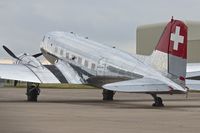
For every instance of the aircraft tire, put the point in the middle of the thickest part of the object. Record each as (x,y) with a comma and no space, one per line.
(32,94)
(108,95)
(158,102)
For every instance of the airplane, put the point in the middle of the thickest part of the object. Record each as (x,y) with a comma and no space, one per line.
(78,60)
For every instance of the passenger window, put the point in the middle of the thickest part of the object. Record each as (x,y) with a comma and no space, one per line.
(93,66)
(79,60)
(61,52)
(67,55)
(86,63)
(56,50)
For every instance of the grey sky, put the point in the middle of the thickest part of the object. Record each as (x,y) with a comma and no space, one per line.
(112,22)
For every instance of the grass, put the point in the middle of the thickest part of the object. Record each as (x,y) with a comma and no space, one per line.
(53,86)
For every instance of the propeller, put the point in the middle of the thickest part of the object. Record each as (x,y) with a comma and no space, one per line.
(10,52)
(14,56)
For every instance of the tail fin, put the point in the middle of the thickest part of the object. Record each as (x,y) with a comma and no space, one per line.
(170,54)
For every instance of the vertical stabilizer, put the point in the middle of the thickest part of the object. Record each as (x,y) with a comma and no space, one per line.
(170,54)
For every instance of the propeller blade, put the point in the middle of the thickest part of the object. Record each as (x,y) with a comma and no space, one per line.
(37,55)
(10,52)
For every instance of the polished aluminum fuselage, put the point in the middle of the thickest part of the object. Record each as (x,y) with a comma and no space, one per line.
(94,58)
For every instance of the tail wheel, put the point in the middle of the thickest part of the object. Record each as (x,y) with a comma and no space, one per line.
(108,95)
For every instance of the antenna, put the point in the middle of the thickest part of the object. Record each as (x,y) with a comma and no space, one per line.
(172,19)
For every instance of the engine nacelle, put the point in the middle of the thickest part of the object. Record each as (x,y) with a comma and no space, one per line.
(27,59)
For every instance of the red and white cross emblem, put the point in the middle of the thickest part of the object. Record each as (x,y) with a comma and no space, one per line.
(176,38)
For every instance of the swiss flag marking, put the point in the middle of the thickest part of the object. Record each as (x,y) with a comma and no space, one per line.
(176,38)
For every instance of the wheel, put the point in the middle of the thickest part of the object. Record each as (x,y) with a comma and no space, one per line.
(158,102)
(108,95)
(32,92)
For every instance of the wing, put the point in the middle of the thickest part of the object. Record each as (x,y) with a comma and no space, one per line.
(193,70)
(138,86)
(61,72)
(26,73)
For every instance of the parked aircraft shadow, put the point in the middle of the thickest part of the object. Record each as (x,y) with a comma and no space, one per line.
(117,104)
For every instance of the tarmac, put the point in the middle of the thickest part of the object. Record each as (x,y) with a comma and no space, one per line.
(83,111)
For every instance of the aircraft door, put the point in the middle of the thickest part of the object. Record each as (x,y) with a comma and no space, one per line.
(101,67)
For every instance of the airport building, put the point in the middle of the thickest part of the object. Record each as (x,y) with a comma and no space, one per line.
(148,36)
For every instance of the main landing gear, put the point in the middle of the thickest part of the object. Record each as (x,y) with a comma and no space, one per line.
(32,92)
(158,101)
(108,95)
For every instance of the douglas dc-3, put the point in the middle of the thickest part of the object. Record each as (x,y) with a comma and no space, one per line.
(78,60)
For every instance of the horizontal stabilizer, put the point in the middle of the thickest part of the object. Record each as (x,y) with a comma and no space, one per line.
(193,85)
(138,86)
(193,70)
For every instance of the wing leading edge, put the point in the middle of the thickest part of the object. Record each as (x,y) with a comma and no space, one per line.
(138,86)
(26,73)
(61,72)
(144,85)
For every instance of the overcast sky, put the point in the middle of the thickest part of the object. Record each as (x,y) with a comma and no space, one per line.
(113,22)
